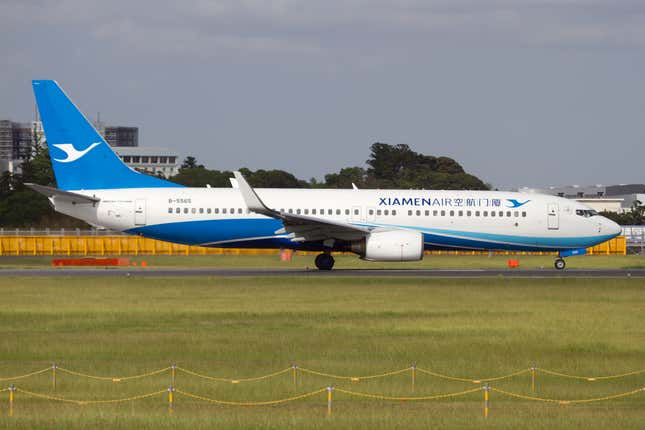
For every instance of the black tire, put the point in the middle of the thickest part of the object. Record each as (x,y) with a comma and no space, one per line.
(324,261)
(560,264)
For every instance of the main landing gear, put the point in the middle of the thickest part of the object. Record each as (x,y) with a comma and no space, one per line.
(324,261)
(559,263)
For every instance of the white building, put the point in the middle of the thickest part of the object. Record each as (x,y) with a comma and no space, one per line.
(155,161)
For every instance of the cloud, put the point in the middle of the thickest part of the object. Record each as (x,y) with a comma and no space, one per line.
(331,28)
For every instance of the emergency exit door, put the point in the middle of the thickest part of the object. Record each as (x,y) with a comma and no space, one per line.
(553,216)
(140,212)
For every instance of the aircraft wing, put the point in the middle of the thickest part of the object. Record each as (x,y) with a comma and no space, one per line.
(301,228)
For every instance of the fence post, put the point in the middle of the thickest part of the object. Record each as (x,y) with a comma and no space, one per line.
(533,369)
(330,390)
(294,368)
(414,374)
(12,390)
(54,367)
(171,400)
(486,394)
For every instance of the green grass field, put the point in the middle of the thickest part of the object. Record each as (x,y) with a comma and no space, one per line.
(353,262)
(245,327)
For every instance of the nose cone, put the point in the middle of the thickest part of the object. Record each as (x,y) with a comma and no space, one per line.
(612,228)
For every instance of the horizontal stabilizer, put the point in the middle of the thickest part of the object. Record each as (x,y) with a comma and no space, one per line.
(62,195)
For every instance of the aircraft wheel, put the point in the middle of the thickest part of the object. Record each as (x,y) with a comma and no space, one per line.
(559,264)
(324,261)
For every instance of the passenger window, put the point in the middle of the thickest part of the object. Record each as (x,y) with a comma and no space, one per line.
(501,213)
(313,211)
(517,214)
(201,210)
(346,211)
(468,213)
(434,213)
(452,213)
(355,211)
(418,212)
(508,213)
(194,210)
(371,211)
(306,211)
(169,210)
(523,214)
(476,213)
(337,211)
(178,210)
(298,211)
(393,212)
(232,211)
(378,212)
(461,213)
(185,210)
(208,210)
(290,211)
(224,210)
(386,212)
(427,213)
(485,213)
(410,213)
(492,213)
(443,213)
(330,211)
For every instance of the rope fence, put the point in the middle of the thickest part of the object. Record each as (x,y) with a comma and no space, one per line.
(296,370)
(172,392)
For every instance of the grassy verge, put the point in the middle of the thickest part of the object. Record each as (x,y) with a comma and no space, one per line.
(350,261)
(246,327)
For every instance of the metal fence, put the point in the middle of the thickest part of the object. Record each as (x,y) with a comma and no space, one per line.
(634,238)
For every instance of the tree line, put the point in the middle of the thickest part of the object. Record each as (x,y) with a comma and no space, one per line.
(388,166)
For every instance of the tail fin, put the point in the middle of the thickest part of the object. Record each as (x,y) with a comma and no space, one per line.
(81,158)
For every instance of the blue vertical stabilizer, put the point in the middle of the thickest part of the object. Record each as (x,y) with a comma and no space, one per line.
(81,158)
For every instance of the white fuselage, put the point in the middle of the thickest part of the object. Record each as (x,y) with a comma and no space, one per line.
(448,219)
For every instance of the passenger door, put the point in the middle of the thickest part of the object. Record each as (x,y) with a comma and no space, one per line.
(553,216)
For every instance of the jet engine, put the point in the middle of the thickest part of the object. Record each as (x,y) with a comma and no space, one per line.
(390,245)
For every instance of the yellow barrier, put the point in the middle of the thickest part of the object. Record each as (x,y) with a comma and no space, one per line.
(136,245)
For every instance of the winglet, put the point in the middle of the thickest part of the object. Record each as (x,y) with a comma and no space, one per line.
(251,199)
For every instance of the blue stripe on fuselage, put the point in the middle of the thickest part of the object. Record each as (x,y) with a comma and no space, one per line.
(260,233)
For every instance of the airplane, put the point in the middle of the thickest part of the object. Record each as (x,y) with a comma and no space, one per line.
(94,185)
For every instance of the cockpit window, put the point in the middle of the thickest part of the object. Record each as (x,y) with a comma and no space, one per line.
(586,212)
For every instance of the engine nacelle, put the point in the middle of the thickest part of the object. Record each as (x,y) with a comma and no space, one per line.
(390,245)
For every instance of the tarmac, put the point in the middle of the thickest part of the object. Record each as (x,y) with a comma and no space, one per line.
(356,273)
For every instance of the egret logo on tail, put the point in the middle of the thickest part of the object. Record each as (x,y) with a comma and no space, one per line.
(512,203)
(72,153)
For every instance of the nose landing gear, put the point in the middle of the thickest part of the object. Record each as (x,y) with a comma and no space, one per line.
(559,263)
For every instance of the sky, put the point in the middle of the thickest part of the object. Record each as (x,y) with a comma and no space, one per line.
(520,92)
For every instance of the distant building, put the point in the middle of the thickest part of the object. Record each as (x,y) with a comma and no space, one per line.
(154,161)
(121,136)
(16,142)
(610,198)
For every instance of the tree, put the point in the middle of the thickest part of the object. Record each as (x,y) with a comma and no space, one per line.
(190,162)
(346,177)
(397,166)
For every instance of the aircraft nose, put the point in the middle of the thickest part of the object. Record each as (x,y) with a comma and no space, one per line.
(612,228)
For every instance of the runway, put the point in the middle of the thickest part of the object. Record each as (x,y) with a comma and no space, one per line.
(356,273)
